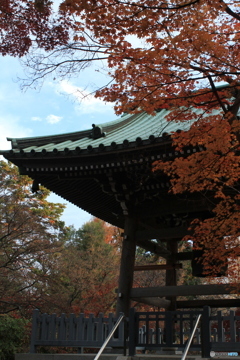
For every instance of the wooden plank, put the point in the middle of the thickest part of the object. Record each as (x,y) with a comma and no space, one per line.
(156,302)
(183,290)
(45,324)
(52,327)
(171,274)
(35,323)
(187,255)
(164,233)
(205,332)
(127,266)
(173,205)
(62,328)
(72,327)
(213,303)
(153,247)
(100,327)
(226,347)
(157,267)
(161,251)
(90,327)
(220,329)
(232,326)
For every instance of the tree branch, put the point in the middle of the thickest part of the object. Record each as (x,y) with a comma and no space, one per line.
(216,94)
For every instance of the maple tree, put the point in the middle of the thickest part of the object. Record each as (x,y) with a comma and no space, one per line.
(188,64)
(82,277)
(29,232)
(46,265)
(180,56)
(30,23)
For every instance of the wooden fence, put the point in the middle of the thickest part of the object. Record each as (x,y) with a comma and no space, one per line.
(225,332)
(164,329)
(155,330)
(145,330)
(73,331)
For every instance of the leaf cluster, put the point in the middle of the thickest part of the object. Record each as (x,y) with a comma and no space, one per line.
(29,231)
(12,333)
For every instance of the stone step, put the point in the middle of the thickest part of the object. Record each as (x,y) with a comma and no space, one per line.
(37,356)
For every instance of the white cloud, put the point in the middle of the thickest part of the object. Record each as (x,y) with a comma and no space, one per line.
(53,119)
(10,127)
(86,102)
(36,118)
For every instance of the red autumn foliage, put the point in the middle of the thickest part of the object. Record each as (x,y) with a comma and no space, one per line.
(178,55)
(26,23)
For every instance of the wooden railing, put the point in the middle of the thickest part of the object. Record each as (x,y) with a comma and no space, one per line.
(74,331)
(225,332)
(219,333)
(163,329)
(146,330)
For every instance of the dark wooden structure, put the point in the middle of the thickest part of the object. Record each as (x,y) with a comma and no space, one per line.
(107,171)
(74,331)
(147,331)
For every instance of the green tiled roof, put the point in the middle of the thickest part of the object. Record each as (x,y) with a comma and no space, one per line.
(126,128)
(102,175)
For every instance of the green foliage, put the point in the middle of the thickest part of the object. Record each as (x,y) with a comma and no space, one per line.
(30,229)
(83,275)
(12,334)
(91,234)
(45,264)
(185,276)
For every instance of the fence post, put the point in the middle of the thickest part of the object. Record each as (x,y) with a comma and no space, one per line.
(169,328)
(34,331)
(205,332)
(81,327)
(232,326)
(125,335)
(62,328)
(100,328)
(132,332)
(90,328)
(72,327)
(44,327)
(52,327)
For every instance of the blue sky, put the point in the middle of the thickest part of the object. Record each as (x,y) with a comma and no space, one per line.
(55,108)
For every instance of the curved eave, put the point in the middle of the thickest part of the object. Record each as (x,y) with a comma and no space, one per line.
(130,131)
(91,150)
(21,143)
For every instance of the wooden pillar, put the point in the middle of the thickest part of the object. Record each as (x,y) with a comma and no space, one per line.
(171,274)
(127,266)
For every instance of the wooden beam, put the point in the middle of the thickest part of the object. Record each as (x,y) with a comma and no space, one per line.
(182,290)
(157,267)
(156,302)
(214,303)
(164,233)
(187,255)
(174,205)
(154,248)
(171,274)
(126,266)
